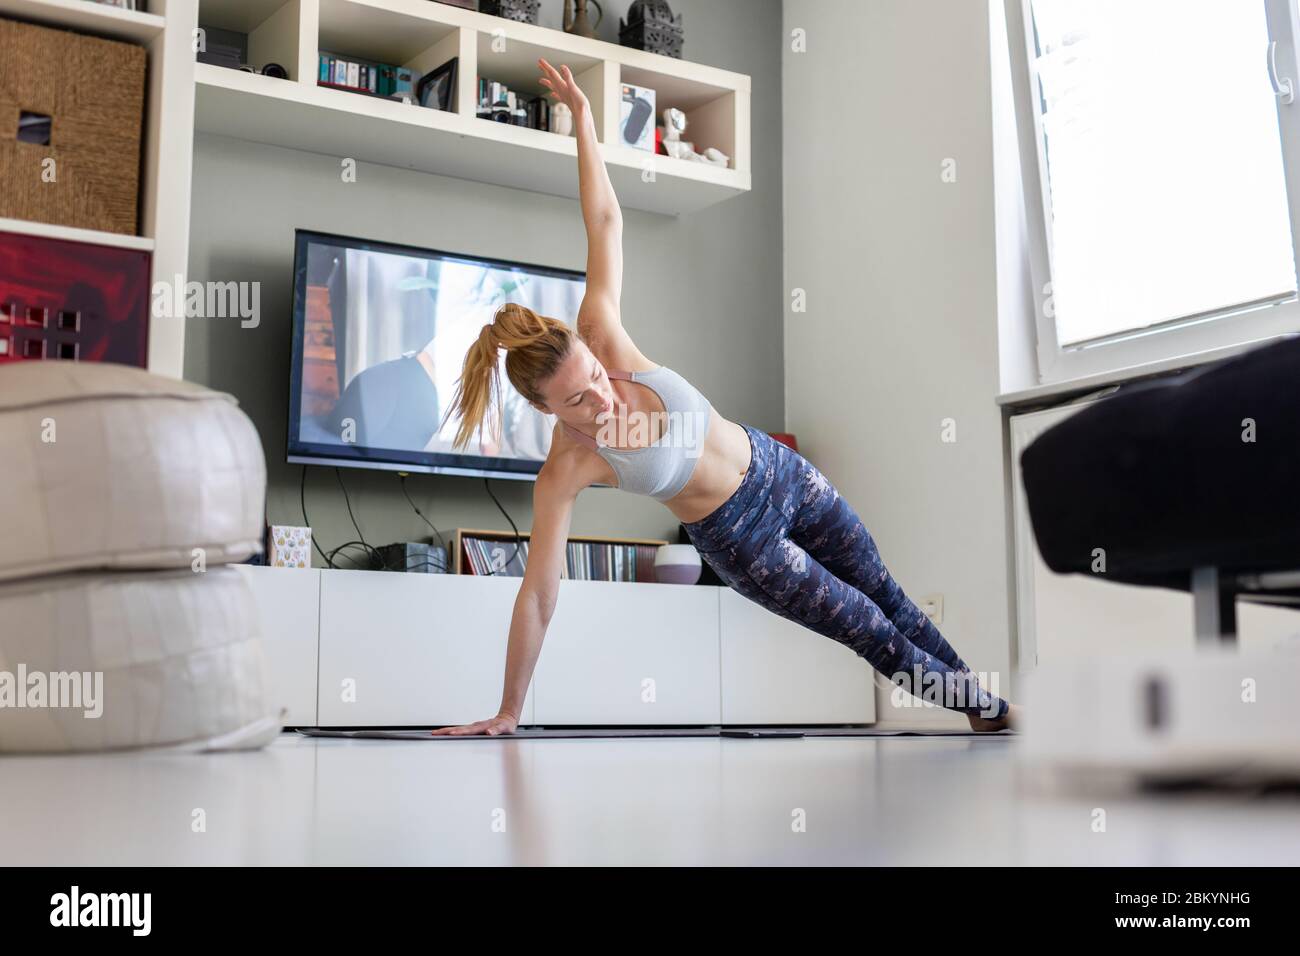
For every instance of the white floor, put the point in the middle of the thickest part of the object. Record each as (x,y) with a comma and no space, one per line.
(883,800)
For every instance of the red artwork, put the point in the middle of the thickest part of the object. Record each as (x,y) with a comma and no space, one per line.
(72,300)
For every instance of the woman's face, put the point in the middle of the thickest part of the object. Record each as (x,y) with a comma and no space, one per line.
(579,392)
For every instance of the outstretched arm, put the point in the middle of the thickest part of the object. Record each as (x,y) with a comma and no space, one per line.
(536,599)
(600,212)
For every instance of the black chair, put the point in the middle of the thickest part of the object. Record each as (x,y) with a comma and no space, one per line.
(1189,482)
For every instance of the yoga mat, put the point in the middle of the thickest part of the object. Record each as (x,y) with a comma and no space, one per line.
(539,733)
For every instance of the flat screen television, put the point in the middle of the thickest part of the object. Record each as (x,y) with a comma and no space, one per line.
(380,333)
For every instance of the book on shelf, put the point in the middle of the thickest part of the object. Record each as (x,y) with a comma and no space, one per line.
(365,76)
(586,558)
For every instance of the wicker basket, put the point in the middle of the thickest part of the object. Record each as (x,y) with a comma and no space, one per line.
(93,92)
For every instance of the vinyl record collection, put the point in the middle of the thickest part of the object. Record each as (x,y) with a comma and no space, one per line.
(584,560)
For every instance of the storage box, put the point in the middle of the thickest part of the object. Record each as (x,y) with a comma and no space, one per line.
(288,547)
(80,102)
(72,300)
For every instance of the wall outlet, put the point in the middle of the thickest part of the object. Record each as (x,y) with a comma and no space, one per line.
(932,606)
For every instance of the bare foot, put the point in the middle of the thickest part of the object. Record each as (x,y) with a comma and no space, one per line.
(1009,721)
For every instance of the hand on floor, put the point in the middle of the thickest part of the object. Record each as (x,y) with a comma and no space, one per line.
(492,727)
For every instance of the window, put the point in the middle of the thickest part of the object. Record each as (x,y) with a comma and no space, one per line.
(1158,192)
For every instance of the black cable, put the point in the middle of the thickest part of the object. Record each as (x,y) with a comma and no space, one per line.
(348,501)
(370,551)
(302,495)
(518,538)
(376,555)
(377,559)
(401,478)
(443,566)
(333,555)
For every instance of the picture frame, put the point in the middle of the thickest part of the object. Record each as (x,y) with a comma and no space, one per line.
(437,87)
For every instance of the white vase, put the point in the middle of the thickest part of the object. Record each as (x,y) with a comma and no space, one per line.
(677,564)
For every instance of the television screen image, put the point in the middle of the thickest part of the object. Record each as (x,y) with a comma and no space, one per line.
(380,333)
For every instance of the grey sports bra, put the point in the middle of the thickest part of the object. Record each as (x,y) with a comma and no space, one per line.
(663,468)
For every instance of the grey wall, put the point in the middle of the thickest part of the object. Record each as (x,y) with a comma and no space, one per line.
(702,293)
(900,331)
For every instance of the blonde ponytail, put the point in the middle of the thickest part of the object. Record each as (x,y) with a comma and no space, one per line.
(535,347)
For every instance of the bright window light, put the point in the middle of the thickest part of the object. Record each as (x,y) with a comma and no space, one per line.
(1163,177)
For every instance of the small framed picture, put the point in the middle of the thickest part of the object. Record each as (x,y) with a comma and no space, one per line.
(437,87)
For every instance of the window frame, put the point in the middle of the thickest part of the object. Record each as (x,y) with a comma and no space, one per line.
(1187,339)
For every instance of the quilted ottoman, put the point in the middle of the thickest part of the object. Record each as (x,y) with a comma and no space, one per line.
(125,494)
(179,654)
(107,466)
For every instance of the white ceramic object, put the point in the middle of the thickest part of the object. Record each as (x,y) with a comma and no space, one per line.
(679,149)
(677,564)
(561,119)
(716,157)
(674,124)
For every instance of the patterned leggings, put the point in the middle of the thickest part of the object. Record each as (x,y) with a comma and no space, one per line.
(788,541)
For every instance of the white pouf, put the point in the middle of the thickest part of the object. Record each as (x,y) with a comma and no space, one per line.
(141,471)
(179,653)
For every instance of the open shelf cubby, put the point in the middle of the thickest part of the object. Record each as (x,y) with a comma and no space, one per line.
(422,35)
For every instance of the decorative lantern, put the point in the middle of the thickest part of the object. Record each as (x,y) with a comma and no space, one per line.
(523,11)
(651,26)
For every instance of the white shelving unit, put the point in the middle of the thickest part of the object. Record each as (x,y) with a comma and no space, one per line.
(422,34)
(87,17)
(73,234)
(166,34)
(183,95)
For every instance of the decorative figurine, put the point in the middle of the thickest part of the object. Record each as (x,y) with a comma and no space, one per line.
(678,148)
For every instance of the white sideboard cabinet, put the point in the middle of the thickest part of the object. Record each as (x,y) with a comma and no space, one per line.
(630,653)
(378,649)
